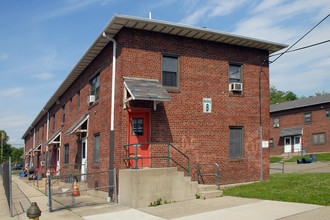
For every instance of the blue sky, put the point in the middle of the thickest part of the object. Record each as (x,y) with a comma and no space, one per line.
(41,41)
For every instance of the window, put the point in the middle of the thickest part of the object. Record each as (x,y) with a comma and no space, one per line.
(95,86)
(78,99)
(70,106)
(63,114)
(318,138)
(271,143)
(170,73)
(53,122)
(308,117)
(235,142)
(43,156)
(96,155)
(137,126)
(276,122)
(66,154)
(43,132)
(327,113)
(235,73)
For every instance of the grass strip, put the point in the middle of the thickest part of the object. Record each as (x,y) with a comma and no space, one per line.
(275,159)
(311,188)
(320,157)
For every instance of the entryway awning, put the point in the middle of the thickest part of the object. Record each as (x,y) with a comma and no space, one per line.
(36,148)
(52,139)
(145,89)
(291,131)
(75,128)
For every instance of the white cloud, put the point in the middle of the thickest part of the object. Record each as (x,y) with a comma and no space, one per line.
(12,92)
(3,56)
(43,76)
(211,8)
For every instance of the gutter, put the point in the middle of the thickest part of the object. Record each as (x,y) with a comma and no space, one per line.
(112,120)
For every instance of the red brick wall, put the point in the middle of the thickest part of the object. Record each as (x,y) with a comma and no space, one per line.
(294,118)
(204,138)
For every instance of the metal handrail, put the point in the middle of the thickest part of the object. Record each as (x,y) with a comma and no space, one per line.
(277,168)
(136,158)
(209,174)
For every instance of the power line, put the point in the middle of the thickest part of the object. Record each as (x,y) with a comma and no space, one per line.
(300,39)
(301,48)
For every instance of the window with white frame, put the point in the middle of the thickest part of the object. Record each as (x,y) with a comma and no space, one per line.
(276,122)
(66,154)
(308,117)
(96,154)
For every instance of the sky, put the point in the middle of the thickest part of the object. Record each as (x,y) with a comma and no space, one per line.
(42,40)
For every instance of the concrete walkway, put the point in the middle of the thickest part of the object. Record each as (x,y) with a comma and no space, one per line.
(219,208)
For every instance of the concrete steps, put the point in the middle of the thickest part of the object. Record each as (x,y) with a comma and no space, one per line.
(208,191)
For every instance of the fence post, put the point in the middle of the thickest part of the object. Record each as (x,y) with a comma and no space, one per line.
(283,168)
(73,200)
(198,173)
(168,154)
(115,185)
(49,195)
(10,190)
(136,156)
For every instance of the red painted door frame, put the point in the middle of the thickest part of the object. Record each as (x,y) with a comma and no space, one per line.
(139,117)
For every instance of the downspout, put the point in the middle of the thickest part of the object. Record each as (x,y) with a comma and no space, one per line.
(112,120)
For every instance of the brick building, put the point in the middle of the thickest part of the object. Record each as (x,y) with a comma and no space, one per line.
(193,87)
(298,125)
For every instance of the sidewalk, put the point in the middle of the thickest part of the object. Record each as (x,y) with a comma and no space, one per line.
(219,208)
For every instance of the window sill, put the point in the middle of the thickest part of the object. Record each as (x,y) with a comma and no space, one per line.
(172,90)
(96,166)
(236,160)
(231,94)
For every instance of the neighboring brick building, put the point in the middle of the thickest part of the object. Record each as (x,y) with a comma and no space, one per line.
(302,124)
(165,74)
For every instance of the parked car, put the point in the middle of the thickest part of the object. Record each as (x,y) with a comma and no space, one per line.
(18,167)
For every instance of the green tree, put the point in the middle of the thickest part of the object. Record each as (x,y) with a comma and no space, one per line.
(6,147)
(16,154)
(278,96)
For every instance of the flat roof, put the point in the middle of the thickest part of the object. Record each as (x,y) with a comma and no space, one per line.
(119,21)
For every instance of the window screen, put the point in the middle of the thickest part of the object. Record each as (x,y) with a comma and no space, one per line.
(96,155)
(308,117)
(170,71)
(276,122)
(236,142)
(234,73)
(66,154)
(137,127)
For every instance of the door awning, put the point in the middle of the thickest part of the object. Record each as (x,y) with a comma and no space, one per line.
(145,89)
(52,139)
(36,148)
(28,153)
(291,131)
(75,128)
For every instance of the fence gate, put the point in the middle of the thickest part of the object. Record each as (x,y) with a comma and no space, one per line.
(76,189)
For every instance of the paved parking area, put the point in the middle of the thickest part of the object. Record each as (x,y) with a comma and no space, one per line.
(292,167)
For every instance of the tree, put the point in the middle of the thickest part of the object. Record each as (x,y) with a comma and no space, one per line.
(6,147)
(16,154)
(278,96)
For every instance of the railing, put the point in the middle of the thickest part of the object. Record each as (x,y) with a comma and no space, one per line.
(199,174)
(277,168)
(127,160)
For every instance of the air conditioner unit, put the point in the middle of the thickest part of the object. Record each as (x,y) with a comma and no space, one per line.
(237,87)
(42,163)
(91,99)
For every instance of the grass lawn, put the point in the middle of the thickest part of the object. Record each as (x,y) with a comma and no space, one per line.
(320,157)
(16,172)
(312,188)
(275,159)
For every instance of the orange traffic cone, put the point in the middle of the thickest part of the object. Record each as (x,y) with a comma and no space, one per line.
(75,188)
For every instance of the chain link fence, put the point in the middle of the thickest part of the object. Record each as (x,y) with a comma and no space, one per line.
(76,189)
(5,171)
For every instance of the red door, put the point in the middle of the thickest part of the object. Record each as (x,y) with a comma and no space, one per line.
(139,132)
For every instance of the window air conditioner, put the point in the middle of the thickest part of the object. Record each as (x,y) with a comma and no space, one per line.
(42,163)
(91,99)
(235,87)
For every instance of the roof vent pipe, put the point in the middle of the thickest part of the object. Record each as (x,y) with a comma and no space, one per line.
(112,130)
(149,14)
